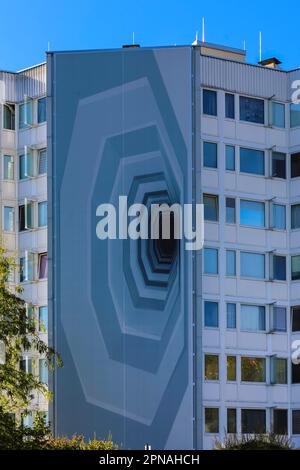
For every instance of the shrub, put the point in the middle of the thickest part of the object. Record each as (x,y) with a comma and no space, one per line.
(255,442)
(77,442)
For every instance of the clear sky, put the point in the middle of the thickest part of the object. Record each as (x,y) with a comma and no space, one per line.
(28,25)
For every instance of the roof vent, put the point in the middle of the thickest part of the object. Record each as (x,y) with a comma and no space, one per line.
(272,63)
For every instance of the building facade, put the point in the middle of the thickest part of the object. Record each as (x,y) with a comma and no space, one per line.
(161,346)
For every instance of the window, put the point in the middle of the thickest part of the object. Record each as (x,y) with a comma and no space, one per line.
(295,165)
(253,318)
(41,110)
(231,368)
(296,421)
(22,218)
(296,319)
(295,114)
(252,110)
(253,369)
(231,421)
(229,105)
(43,371)
(252,265)
(25,114)
(278,165)
(42,214)
(253,421)
(279,268)
(230,157)
(211,207)
(278,370)
(280,422)
(230,210)
(252,213)
(211,367)
(8,167)
(212,420)
(295,216)
(43,265)
(27,419)
(295,268)
(22,167)
(9,219)
(278,114)
(279,319)
(42,162)
(211,314)
(22,270)
(210,102)
(210,158)
(230,263)
(231,315)
(9,117)
(211,261)
(278,217)
(43,319)
(252,161)
(295,373)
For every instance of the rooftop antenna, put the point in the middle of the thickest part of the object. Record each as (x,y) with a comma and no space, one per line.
(196,36)
(133,38)
(244,45)
(203,29)
(260,46)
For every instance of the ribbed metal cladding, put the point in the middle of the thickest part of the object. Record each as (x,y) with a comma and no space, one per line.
(27,83)
(244,78)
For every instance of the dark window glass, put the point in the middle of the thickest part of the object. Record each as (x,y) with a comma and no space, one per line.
(210,159)
(279,217)
(211,211)
(230,210)
(211,367)
(41,110)
(279,319)
(211,314)
(231,315)
(231,368)
(212,420)
(231,420)
(253,369)
(252,161)
(210,102)
(279,268)
(253,421)
(9,116)
(280,425)
(22,218)
(295,165)
(229,105)
(295,215)
(230,157)
(279,370)
(278,165)
(296,319)
(43,266)
(295,373)
(211,261)
(295,268)
(252,110)
(296,421)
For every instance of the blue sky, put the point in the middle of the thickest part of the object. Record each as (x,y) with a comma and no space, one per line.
(27,26)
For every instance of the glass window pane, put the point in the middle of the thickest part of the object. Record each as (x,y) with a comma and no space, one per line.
(278,165)
(252,110)
(42,213)
(279,268)
(230,210)
(9,116)
(280,422)
(212,420)
(25,114)
(252,161)
(43,371)
(210,155)
(229,105)
(210,261)
(211,314)
(295,373)
(43,319)
(296,421)
(42,162)
(253,369)
(295,215)
(252,265)
(253,318)
(295,268)
(41,110)
(252,213)
(231,421)
(253,421)
(231,368)
(231,315)
(295,165)
(279,318)
(211,367)
(279,370)
(211,211)
(8,167)
(295,319)
(210,102)
(22,167)
(43,266)
(295,114)
(9,219)
(279,217)
(230,263)
(230,157)
(278,117)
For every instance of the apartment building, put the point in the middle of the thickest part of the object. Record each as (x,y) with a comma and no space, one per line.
(23,219)
(162,347)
